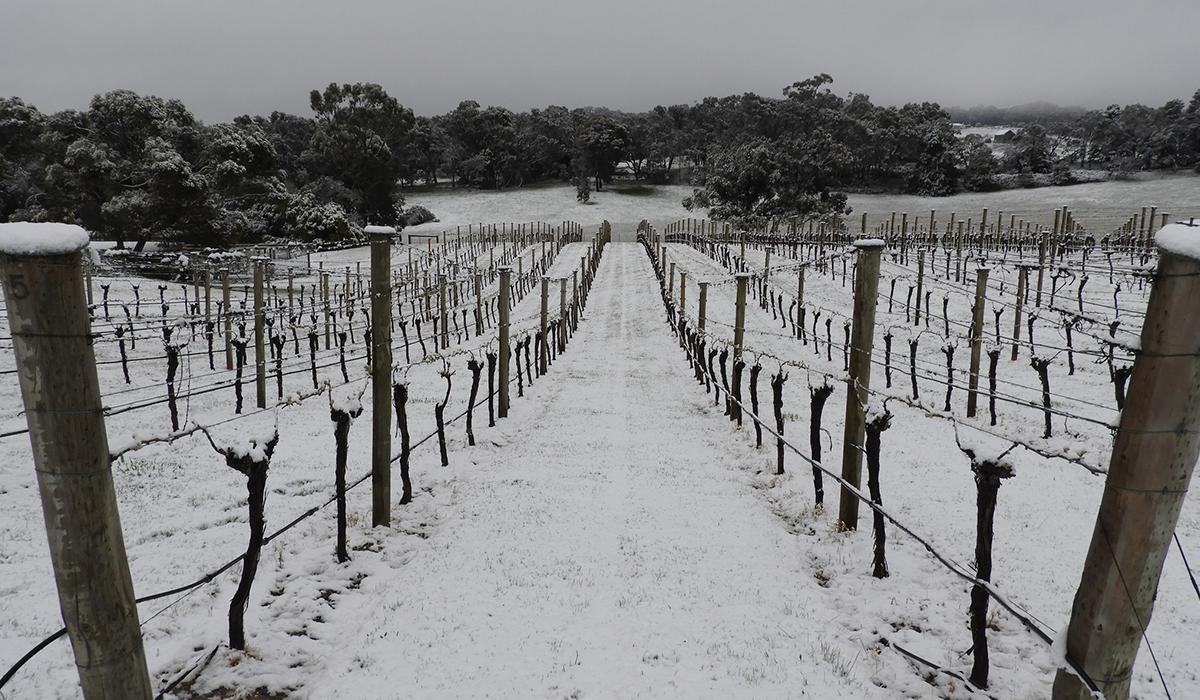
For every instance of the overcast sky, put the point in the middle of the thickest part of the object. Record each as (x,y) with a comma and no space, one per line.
(224,58)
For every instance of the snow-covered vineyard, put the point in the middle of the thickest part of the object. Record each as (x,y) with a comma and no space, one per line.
(657,511)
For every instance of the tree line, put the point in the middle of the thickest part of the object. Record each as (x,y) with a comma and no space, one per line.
(137,168)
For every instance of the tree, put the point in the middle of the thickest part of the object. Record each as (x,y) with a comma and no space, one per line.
(361,134)
(127,170)
(977,164)
(604,142)
(21,126)
(483,150)
(1031,151)
(762,180)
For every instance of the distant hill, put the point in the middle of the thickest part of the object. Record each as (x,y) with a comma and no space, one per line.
(1040,112)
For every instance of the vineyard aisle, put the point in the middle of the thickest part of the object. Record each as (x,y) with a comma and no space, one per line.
(603,542)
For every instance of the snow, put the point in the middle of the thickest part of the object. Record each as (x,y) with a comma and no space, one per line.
(615,536)
(384,230)
(24,238)
(1180,239)
(869,243)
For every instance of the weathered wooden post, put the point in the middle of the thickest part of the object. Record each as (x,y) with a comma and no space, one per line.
(1022,283)
(260,350)
(682,293)
(381,374)
(703,306)
(1153,458)
(43,288)
(981,276)
(544,350)
(671,282)
(739,323)
(800,288)
(862,339)
(505,303)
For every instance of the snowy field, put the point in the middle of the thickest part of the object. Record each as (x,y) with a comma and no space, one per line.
(616,536)
(1101,207)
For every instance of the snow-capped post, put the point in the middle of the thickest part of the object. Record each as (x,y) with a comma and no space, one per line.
(702,306)
(40,265)
(862,339)
(505,350)
(1153,459)
(739,319)
(381,373)
(260,353)
(981,277)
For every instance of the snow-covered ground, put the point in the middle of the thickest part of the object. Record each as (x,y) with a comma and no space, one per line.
(1101,207)
(615,536)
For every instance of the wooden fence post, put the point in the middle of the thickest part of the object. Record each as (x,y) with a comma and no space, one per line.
(381,374)
(682,293)
(56,366)
(862,339)
(739,323)
(703,306)
(1022,283)
(544,350)
(260,350)
(505,303)
(1153,458)
(981,276)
